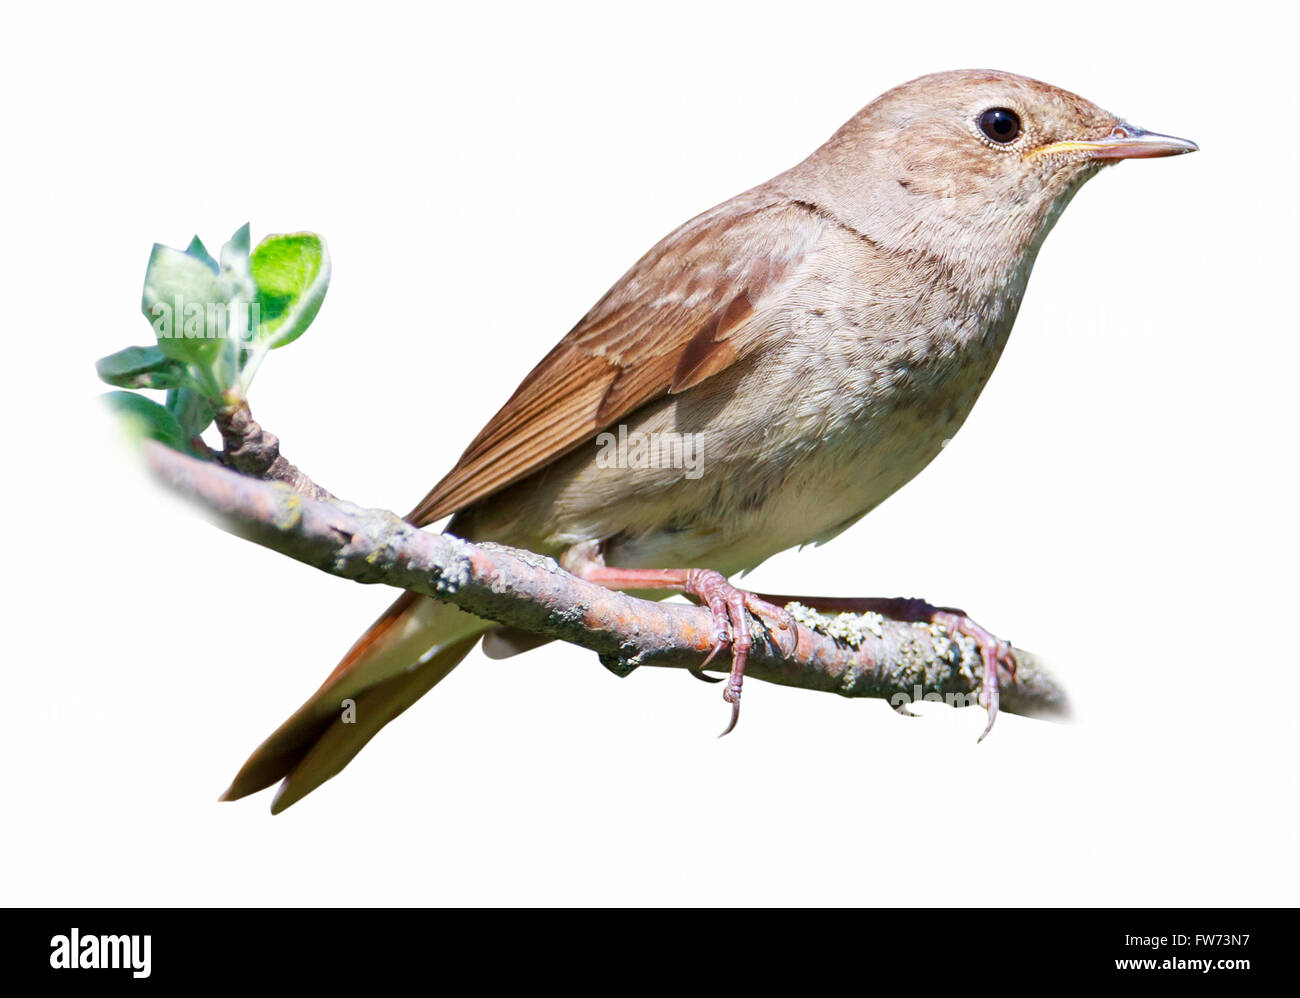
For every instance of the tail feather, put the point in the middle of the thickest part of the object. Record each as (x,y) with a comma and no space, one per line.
(506,642)
(337,744)
(387,670)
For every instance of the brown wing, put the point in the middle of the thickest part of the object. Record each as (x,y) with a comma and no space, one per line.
(687,310)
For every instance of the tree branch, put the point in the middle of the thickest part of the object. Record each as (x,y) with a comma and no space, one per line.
(856,655)
(251,450)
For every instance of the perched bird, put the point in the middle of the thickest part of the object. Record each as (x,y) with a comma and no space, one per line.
(814,341)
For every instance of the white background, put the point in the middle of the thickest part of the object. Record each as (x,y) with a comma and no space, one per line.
(1121,500)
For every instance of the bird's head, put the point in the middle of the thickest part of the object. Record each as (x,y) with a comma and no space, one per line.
(972,165)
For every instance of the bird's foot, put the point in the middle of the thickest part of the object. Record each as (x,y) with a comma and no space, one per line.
(993,654)
(730,607)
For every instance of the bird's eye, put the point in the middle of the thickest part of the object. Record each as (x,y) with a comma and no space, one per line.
(1000,124)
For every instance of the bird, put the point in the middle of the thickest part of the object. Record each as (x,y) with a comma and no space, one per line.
(813,342)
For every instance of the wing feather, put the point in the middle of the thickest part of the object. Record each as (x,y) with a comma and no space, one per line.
(689,309)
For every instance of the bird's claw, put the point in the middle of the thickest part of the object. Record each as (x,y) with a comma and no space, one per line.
(697,671)
(993,653)
(731,608)
(732,696)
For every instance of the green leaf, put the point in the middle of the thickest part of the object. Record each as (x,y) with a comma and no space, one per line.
(141,367)
(197,250)
(186,305)
(234,255)
(240,291)
(146,418)
(191,409)
(292,272)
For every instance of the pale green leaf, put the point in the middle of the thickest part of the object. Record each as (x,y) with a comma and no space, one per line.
(146,418)
(141,367)
(184,302)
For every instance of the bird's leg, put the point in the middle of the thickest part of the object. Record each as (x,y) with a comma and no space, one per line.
(993,653)
(728,604)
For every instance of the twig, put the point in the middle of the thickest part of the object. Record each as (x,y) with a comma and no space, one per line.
(857,655)
(251,450)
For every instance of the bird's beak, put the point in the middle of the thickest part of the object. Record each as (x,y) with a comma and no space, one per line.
(1124,142)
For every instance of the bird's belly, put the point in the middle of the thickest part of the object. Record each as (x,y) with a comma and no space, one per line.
(772,456)
(787,493)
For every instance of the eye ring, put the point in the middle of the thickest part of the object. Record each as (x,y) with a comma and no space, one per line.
(1000,125)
